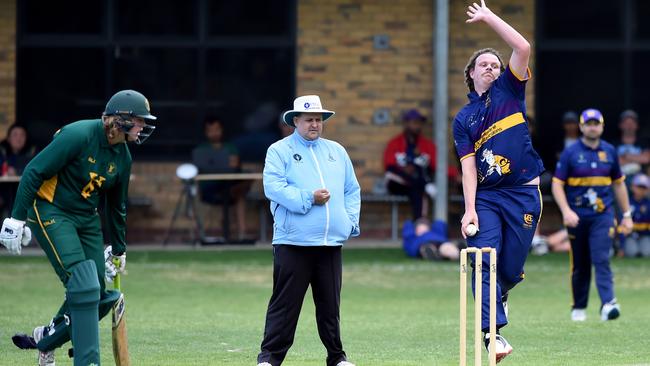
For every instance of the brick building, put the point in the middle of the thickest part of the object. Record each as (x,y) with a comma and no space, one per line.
(363,57)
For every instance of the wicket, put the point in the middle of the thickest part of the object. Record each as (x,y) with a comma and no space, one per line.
(478,300)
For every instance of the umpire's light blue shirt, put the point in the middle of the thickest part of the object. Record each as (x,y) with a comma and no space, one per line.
(294,168)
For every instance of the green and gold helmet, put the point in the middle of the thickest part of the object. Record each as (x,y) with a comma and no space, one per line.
(127,104)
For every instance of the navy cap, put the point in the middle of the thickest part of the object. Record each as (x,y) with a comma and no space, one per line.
(591,114)
(413,115)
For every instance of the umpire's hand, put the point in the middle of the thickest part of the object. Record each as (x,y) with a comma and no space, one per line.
(321,196)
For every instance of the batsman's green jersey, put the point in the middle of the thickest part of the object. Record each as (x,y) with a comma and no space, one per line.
(73,172)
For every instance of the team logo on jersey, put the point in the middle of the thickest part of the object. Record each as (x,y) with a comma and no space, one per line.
(91,160)
(94,183)
(112,169)
(602,156)
(331,158)
(581,158)
(297,158)
(528,221)
(642,209)
(496,163)
(594,201)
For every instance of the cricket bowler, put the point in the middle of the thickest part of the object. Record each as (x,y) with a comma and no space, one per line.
(500,166)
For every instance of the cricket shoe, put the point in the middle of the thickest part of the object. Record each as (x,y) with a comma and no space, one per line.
(503,348)
(610,310)
(345,363)
(24,341)
(45,358)
(578,315)
(264,364)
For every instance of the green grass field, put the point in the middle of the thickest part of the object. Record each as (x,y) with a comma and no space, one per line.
(208,307)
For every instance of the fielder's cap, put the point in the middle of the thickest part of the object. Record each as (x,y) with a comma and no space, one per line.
(413,115)
(628,113)
(591,114)
(570,117)
(641,180)
(306,104)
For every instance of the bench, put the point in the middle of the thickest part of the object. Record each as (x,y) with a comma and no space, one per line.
(394,201)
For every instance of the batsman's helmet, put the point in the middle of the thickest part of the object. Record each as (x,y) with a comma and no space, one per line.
(127,104)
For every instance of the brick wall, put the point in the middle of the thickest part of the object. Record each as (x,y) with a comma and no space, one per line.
(336,60)
(7,64)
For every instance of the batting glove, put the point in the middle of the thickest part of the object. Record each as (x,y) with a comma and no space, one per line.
(118,261)
(14,235)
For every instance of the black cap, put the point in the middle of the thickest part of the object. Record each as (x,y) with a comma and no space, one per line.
(570,116)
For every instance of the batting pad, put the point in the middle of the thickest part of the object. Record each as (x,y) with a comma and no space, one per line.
(83,300)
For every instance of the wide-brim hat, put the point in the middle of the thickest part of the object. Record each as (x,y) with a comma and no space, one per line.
(306,104)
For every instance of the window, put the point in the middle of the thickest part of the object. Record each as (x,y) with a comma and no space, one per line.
(589,54)
(270,18)
(61,17)
(191,58)
(154,17)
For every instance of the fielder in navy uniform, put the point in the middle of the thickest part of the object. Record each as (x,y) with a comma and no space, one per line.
(587,179)
(500,167)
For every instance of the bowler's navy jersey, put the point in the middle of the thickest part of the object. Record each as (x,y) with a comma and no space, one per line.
(588,175)
(493,128)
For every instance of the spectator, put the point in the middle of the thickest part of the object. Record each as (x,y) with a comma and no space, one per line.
(633,154)
(410,162)
(15,153)
(216,156)
(428,240)
(571,131)
(285,129)
(559,241)
(638,242)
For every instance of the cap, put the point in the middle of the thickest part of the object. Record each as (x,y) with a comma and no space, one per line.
(570,116)
(591,114)
(641,180)
(628,113)
(413,115)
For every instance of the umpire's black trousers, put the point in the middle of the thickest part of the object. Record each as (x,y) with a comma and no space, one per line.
(294,269)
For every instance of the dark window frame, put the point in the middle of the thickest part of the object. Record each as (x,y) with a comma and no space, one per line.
(113,43)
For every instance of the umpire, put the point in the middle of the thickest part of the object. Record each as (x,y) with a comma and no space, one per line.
(315,202)
(587,179)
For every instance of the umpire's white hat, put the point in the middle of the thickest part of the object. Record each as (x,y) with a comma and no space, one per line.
(306,104)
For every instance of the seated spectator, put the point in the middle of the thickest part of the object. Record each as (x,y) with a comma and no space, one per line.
(285,129)
(571,129)
(15,153)
(410,162)
(428,241)
(633,153)
(637,244)
(216,156)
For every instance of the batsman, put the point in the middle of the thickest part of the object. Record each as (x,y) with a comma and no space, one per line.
(86,162)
